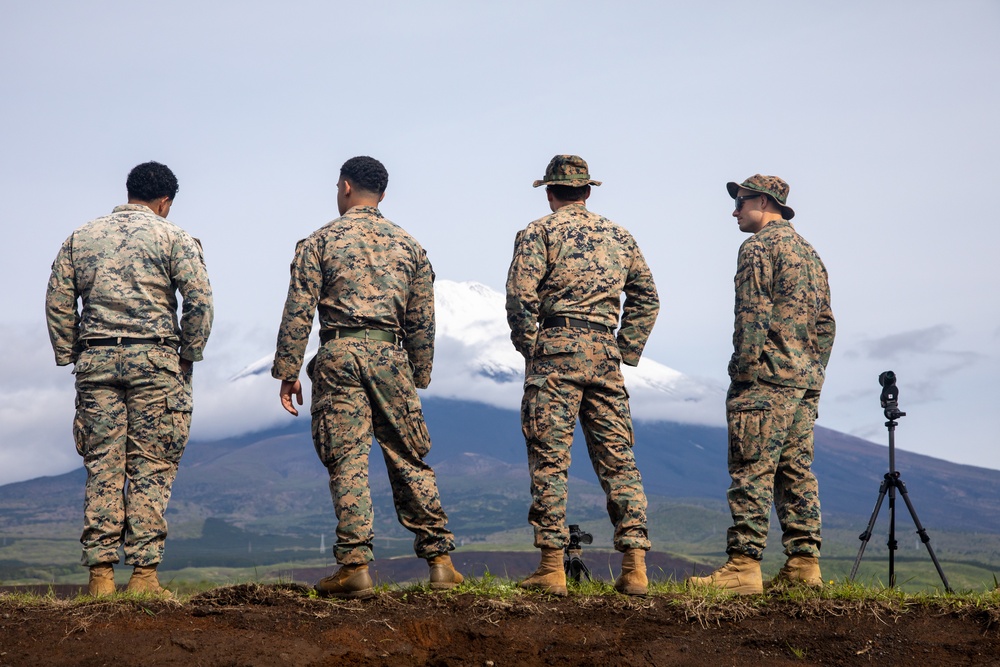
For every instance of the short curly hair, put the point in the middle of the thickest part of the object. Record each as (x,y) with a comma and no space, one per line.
(151,180)
(366,173)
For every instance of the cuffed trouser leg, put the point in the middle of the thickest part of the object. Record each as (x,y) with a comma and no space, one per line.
(796,491)
(607,427)
(759,417)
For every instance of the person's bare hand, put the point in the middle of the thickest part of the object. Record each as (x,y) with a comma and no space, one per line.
(288,390)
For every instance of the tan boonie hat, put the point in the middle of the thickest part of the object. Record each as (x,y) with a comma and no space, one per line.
(769,185)
(568,170)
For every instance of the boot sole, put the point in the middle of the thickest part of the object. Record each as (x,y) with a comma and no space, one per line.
(738,590)
(633,590)
(442,586)
(348,595)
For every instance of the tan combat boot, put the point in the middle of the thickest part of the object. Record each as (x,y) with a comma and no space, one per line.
(741,575)
(443,573)
(102,580)
(799,570)
(144,580)
(633,577)
(350,582)
(550,577)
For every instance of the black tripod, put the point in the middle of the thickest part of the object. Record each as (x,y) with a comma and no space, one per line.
(573,554)
(890,483)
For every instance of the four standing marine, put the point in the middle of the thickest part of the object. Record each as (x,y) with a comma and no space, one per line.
(782,341)
(132,361)
(373,288)
(564,291)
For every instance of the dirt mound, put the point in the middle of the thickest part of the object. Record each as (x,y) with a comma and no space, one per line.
(250,625)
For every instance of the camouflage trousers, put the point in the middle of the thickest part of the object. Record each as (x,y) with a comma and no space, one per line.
(133,417)
(577,372)
(361,387)
(770,460)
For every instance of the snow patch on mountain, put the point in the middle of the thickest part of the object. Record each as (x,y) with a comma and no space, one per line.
(475,361)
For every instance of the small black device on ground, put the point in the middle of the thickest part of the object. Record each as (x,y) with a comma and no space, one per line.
(573,553)
(890,482)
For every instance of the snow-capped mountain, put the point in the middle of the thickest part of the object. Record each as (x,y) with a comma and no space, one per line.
(475,361)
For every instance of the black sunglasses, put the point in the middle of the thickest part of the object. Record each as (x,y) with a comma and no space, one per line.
(743,198)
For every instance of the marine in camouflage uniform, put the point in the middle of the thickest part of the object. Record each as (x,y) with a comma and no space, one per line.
(564,291)
(782,341)
(132,365)
(374,288)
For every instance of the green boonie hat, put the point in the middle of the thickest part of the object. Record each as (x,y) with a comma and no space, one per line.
(568,170)
(769,185)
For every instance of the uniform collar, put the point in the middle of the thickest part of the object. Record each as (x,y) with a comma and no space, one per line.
(122,208)
(365,210)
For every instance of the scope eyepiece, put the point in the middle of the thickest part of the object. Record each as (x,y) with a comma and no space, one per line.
(887,379)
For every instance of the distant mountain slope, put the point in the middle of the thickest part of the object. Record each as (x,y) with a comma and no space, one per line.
(273,481)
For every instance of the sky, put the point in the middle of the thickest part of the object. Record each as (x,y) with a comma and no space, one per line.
(882,117)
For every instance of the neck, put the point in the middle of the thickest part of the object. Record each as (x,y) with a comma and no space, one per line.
(157,206)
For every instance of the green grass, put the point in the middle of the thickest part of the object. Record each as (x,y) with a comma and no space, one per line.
(703,605)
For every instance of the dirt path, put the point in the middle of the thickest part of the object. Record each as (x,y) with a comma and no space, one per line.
(252,625)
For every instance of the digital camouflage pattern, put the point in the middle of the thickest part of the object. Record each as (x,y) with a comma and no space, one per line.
(575,263)
(784,327)
(769,185)
(362,271)
(133,417)
(770,460)
(126,269)
(782,340)
(364,386)
(577,372)
(133,404)
(568,170)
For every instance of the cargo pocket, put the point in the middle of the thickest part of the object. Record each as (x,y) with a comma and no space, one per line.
(176,425)
(747,417)
(89,362)
(165,359)
(419,438)
(553,347)
(81,431)
(320,412)
(533,422)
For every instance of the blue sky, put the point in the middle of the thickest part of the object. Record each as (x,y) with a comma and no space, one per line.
(881,116)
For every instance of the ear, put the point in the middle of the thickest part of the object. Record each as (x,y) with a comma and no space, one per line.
(162,206)
(346,185)
(381,197)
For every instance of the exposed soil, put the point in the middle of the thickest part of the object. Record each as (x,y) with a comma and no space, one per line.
(250,624)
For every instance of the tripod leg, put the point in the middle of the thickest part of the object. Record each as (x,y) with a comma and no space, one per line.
(893,481)
(867,535)
(922,532)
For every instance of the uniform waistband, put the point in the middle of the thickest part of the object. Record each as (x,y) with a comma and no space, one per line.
(122,340)
(550,322)
(365,334)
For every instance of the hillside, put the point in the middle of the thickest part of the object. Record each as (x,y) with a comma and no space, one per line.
(262,499)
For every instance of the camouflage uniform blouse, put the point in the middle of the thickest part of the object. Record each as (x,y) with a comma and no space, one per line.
(126,268)
(362,271)
(784,325)
(575,263)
